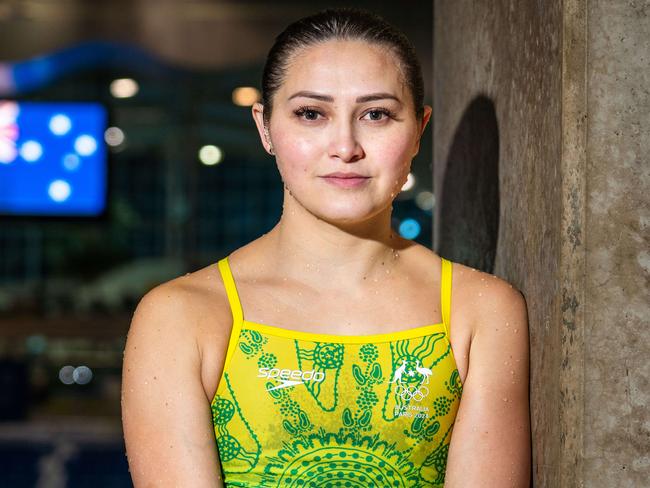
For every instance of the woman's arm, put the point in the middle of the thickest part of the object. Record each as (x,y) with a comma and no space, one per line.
(490,443)
(165,412)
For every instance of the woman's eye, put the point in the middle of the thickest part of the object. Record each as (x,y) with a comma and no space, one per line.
(377,114)
(309,114)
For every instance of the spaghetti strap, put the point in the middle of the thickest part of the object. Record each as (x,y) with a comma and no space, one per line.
(237,314)
(231,290)
(445,293)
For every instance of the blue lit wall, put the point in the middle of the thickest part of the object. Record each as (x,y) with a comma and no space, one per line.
(52,158)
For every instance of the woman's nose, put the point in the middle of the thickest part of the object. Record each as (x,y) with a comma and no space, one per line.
(345,145)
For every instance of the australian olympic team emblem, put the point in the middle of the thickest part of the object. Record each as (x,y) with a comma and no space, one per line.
(411,377)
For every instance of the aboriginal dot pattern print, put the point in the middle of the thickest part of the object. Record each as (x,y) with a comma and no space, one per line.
(297,409)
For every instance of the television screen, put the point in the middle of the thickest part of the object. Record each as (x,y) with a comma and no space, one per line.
(52,158)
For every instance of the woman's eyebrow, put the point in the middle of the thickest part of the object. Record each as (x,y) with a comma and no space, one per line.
(327,98)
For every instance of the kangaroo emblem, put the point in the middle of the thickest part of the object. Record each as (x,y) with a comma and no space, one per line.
(397,377)
(425,372)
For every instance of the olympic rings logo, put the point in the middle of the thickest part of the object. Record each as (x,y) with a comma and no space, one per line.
(408,393)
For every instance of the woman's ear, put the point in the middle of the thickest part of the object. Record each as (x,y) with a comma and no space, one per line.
(258,115)
(428,110)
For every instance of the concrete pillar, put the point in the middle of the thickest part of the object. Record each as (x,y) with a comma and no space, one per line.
(541,171)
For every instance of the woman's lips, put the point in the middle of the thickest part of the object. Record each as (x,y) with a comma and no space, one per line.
(346,181)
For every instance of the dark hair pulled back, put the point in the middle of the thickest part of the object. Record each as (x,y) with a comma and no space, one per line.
(340,24)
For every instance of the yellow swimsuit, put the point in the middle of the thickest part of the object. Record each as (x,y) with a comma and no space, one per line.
(298,409)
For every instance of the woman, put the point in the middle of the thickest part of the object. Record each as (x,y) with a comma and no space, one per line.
(300,358)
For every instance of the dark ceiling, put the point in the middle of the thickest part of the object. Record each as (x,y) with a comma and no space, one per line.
(203,34)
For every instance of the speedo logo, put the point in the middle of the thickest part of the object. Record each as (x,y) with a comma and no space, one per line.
(289,377)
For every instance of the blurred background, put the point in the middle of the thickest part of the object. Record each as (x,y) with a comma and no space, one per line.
(128,156)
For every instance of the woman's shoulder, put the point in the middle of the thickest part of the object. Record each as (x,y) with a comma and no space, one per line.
(475,293)
(486,288)
(487,299)
(188,305)
(465,278)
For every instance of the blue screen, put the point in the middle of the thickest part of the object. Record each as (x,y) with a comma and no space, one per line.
(52,158)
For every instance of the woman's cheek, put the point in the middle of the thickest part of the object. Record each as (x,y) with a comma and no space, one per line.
(292,169)
(397,158)
(298,157)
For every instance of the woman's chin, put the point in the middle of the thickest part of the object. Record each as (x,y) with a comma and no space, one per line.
(347,217)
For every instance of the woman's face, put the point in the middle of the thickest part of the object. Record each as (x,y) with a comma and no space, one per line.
(343,109)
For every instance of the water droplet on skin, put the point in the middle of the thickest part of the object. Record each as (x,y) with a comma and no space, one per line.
(512,371)
(516,331)
(480,294)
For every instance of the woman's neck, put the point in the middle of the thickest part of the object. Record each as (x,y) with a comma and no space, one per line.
(311,249)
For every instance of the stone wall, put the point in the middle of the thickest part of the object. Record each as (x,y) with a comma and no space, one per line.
(558,151)
(506,55)
(617,306)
